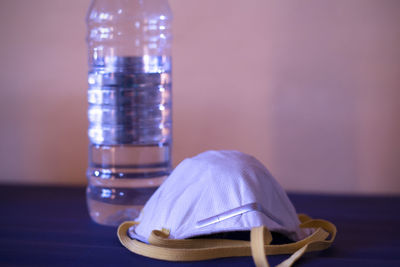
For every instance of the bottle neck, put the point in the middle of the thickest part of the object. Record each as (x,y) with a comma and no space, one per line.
(121,28)
(147,5)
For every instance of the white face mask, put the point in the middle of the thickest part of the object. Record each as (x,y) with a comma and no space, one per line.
(215,192)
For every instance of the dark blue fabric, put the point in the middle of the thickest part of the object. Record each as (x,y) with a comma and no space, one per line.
(50,226)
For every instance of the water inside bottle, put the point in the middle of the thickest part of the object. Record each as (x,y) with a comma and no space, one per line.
(122,178)
(130,135)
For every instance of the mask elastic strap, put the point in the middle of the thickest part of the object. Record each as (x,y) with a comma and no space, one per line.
(161,247)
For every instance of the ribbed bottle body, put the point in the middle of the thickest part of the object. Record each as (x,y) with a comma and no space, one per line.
(129,105)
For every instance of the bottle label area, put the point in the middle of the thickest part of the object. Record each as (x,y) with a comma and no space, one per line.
(130,101)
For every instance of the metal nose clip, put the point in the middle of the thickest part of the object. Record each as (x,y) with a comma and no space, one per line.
(235,212)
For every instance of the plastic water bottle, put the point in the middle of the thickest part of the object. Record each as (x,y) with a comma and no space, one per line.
(129,111)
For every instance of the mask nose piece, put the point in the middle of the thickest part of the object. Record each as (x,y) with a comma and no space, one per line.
(235,212)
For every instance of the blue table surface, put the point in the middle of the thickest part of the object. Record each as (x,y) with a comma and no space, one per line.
(47,226)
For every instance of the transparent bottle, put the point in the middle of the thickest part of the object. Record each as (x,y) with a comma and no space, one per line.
(129,105)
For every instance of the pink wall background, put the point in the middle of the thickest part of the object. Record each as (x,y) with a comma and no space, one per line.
(311,88)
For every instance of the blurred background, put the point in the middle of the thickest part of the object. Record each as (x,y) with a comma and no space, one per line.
(311,88)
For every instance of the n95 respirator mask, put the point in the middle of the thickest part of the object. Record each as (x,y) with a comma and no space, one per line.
(222,192)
